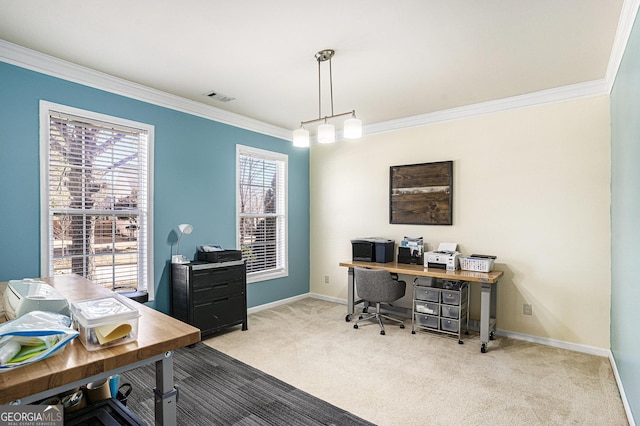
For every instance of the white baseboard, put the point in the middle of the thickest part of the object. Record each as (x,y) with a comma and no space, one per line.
(277,303)
(327,298)
(554,343)
(623,395)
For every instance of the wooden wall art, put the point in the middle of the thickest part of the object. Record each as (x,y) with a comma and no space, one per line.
(421,194)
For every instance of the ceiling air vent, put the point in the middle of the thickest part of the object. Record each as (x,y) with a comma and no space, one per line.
(219,96)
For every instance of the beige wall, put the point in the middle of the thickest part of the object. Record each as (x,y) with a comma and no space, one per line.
(531,186)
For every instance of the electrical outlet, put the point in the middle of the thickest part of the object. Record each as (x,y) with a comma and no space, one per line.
(527,309)
(326,279)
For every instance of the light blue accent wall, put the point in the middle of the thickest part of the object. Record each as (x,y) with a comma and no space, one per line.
(625,220)
(194,181)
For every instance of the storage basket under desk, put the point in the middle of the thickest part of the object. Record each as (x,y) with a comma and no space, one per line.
(440,306)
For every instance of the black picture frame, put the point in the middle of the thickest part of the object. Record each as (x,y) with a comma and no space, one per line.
(421,194)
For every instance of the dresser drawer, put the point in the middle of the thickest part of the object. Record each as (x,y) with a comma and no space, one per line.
(215,291)
(203,277)
(216,313)
(427,293)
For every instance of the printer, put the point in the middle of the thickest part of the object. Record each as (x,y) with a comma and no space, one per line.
(446,257)
(22,296)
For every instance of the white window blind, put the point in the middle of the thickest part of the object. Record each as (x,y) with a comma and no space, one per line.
(262,206)
(97,200)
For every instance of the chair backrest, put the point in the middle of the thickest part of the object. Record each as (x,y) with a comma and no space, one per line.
(376,285)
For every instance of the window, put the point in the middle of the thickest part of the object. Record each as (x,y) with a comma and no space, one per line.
(262,212)
(95,189)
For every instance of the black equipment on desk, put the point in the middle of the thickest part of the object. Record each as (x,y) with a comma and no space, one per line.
(410,256)
(378,250)
(411,251)
(220,256)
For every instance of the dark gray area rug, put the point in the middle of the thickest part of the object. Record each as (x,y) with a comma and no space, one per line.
(216,389)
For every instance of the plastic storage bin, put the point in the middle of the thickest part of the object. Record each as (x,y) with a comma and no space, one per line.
(428,294)
(450,311)
(449,325)
(105,322)
(451,297)
(427,321)
(428,308)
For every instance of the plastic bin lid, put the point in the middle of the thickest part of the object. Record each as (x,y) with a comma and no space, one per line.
(104,309)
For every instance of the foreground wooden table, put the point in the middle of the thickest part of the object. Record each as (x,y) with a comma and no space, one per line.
(488,280)
(158,336)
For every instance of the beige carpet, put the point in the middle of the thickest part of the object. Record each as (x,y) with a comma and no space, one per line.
(424,379)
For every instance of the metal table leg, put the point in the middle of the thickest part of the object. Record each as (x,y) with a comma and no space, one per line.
(487,314)
(165,393)
(350,295)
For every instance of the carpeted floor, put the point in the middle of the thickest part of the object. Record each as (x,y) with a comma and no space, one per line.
(424,378)
(215,389)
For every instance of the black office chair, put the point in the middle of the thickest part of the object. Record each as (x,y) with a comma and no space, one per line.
(378,286)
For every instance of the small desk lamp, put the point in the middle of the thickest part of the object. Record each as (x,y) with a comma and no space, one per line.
(184,228)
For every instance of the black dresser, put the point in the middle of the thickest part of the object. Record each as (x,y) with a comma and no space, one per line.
(210,296)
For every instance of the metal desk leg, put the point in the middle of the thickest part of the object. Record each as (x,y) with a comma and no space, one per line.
(165,394)
(487,314)
(350,295)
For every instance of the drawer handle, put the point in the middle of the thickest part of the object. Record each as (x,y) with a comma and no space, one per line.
(222,299)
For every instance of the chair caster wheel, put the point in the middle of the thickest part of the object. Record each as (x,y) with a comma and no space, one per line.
(347,318)
(460,342)
(382,332)
(413,332)
(483,348)
(355,326)
(401,325)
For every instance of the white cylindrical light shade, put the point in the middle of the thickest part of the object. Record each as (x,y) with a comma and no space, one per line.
(301,138)
(326,133)
(352,128)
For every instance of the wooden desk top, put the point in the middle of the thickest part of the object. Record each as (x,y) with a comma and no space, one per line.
(157,334)
(403,268)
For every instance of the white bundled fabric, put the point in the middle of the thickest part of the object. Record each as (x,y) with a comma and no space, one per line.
(8,351)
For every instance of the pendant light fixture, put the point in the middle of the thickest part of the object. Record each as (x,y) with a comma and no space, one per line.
(327,131)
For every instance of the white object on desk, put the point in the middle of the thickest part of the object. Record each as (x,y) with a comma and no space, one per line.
(446,257)
(22,296)
(178,258)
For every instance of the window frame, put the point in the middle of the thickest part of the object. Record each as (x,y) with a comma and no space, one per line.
(46,108)
(242,150)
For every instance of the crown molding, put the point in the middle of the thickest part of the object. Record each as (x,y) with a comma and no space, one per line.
(623,32)
(560,94)
(55,67)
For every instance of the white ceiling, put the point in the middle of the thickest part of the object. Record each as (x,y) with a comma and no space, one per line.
(394,59)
